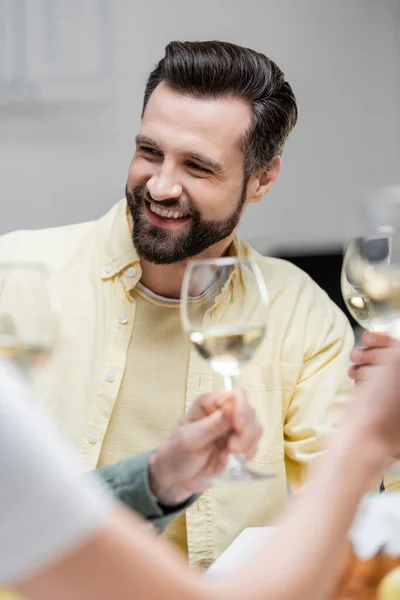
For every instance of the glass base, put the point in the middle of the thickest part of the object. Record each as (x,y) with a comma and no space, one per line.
(236,470)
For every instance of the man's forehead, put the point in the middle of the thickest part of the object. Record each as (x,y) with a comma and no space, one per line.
(223,120)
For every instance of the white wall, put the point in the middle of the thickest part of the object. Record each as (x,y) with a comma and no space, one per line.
(342,57)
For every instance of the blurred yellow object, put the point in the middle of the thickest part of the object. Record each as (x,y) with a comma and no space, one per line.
(389,588)
(7,595)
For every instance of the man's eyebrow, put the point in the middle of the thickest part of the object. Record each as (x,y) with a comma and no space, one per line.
(214,165)
(207,161)
(142,139)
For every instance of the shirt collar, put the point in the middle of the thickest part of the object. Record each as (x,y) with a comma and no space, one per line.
(119,252)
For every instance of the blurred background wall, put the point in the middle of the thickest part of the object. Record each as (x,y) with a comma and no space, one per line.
(65,145)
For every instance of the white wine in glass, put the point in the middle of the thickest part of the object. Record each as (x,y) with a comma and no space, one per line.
(229,343)
(371,286)
(227,348)
(28,315)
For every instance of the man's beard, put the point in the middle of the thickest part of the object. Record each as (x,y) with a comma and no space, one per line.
(166,246)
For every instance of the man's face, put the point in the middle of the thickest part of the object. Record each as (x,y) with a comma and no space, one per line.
(186,189)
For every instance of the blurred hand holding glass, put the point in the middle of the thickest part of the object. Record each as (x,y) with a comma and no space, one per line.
(226,345)
(29,322)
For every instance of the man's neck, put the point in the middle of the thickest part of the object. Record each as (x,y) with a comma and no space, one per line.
(166,280)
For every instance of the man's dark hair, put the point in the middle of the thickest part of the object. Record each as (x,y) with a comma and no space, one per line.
(217,69)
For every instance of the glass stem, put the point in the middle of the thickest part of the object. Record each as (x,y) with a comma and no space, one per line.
(230,382)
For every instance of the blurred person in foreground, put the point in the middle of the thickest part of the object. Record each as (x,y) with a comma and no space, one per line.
(67,538)
(215,120)
(161,484)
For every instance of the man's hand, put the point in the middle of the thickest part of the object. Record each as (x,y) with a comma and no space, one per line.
(376,406)
(365,359)
(215,425)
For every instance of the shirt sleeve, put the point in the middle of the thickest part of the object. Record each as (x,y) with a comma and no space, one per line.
(46,508)
(323,385)
(129,481)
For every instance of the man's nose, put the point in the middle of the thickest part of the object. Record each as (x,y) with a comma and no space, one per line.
(164,185)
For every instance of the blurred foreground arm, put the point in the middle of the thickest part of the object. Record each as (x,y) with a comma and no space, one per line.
(301,561)
(365,359)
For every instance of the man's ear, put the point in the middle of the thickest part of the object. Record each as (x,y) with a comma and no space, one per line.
(261,181)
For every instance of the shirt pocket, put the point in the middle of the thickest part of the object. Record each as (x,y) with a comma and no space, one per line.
(268,389)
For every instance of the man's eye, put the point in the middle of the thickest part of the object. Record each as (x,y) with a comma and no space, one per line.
(149,150)
(199,168)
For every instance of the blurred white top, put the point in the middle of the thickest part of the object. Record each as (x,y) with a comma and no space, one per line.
(376,527)
(239,552)
(46,507)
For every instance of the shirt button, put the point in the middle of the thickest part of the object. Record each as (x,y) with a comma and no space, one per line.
(110,376)
(92,438)
(123,318)
(131,272)
(108,269)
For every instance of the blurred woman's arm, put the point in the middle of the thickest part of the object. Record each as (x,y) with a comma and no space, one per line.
(47,507)
(115,558)
(301,560)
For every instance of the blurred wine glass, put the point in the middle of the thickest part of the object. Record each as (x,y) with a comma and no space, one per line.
(29,321)
(228,345)
(370,279)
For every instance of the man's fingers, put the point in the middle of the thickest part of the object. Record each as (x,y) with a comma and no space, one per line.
(222,460)
(247,430)
(202,406)
(236,446)
(360,372)
(378,339)
(244,415)
(225,417)
(369,356)
(375,344)
(252,451)
(243,412)
(196,435)
(218,464)
(206,404)
(352,371)
(365,356)
(243,442)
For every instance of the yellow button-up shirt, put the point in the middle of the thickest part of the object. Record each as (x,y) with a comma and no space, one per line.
(297,381)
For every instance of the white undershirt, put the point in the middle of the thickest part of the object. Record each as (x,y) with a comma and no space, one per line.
(46,507)
(215,285)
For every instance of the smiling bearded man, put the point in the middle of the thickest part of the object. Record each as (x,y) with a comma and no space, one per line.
(214,123)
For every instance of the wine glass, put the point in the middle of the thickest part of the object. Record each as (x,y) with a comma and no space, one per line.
(370,278)
(28,315)
(368,284)
(227,345)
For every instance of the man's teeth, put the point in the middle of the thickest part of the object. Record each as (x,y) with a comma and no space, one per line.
(167,214)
